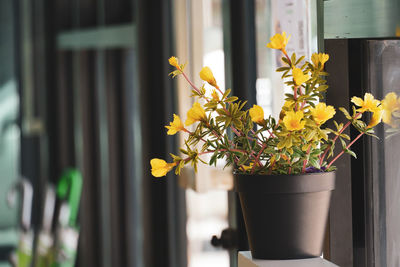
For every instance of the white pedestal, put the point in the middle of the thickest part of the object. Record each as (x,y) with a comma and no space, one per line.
(245,260)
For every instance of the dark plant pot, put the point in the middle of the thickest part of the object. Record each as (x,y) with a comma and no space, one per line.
(285,215)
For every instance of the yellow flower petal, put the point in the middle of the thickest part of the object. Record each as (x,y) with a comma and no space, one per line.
(293,120)
(357,101)
(321,113)
(319,58)
(215,95)
(207,76)
(160,167)
(196,113)
(278,41)
(368,104)
(299,77)
(390,104)
(257,114)
(174,62)
(287,106)
(175,126)
(246,168)
(376,118)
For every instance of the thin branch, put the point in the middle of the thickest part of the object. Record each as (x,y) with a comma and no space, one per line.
(347,147)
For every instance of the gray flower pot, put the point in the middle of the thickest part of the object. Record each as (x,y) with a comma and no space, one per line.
(285,215)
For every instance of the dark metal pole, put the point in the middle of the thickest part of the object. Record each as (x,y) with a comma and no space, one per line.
(164,243)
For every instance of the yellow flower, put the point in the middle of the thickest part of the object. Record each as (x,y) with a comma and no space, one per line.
(319,58)
(292,120)
(174,62)
(246,168)
(160,167)
(257,114)
(321,113)
(390,104)
(368,104)
(376,117)
(278,41)
(288,105)
(299,77)
(196,113)
(175,126)
(215,95)
(207,76)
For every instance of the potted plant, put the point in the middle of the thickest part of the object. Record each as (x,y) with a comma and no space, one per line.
(283,168)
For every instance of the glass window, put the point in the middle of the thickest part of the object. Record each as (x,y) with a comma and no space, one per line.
(384,77)
(297,19)
(201,44)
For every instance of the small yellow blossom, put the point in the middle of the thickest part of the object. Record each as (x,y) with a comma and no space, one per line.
(299,77)
(207,76)
(173,61)
(278,41)
(249,167)
(175,126)
(293,120)
(390,104)
(319,58)
(288,105)
(196,113)
(368,104)
(257,114)
(321,113)
(376,117)
(215,95)
(160,167)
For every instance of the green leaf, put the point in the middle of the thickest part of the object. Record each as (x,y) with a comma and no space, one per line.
(343,143)
(243,159)
(282,69)
(322,88)
(348,151)
(284,59)
(346,113)
(225,95)
(231,99)
(314,162)
(293,58)
(300,59)
(310,135)
(298,151)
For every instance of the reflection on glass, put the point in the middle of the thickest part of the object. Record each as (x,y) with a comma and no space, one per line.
(275,16)
(384,77)
(9,130)
(9,147)
(208,212)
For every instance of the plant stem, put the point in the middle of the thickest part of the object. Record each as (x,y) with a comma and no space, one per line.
(347,147)
(287,56)
(190,82)
(191,133)
(219,90)
(336,137)
(258,158)
(306,160)
(270,167)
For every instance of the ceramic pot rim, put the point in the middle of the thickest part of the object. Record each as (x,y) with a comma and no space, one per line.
(292,183)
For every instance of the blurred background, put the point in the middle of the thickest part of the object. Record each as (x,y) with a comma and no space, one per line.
(84,84)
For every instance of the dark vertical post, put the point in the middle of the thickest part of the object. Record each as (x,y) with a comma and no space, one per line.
(338,95)
(241,75)
(161,196)
(242,49)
